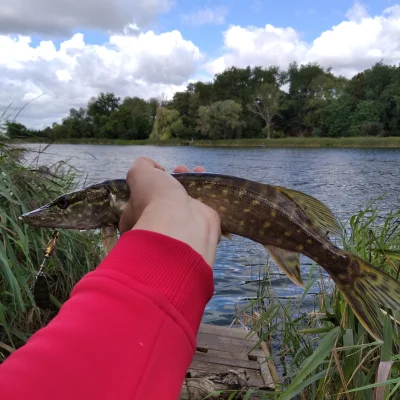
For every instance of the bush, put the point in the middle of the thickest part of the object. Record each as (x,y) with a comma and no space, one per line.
(277,134)
(318,132)
(371,129)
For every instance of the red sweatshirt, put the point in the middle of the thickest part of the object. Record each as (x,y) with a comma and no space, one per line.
(127,332)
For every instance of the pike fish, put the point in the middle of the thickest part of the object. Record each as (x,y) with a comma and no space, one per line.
(285,221)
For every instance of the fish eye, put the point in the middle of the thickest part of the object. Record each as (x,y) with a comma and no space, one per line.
(63,202)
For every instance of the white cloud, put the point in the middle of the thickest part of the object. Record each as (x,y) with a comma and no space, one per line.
(358,43)
(357,12)
(144,65)
(351,46)
(206,16)
(258,46)
(56,17)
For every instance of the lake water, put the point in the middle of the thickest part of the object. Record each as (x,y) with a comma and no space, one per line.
(344,179)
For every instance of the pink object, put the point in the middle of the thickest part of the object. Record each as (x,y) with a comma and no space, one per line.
(128,330)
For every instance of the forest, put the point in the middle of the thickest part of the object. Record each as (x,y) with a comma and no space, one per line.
(303,100)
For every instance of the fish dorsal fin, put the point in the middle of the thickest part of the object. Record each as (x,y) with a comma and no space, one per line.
(320,215)
(288,262)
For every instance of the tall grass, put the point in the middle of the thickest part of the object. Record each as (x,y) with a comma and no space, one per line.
(22,247)
(321,350)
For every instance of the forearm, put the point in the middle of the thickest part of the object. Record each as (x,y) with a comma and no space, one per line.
(128,329)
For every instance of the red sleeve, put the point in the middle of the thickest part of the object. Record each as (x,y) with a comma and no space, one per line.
(128,330)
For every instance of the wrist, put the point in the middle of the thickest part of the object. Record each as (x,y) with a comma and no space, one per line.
(167,266)
(181,222)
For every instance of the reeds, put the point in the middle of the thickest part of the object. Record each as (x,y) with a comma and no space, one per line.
(22,247)
(324,352)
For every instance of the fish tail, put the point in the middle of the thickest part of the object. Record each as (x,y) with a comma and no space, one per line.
(365,287)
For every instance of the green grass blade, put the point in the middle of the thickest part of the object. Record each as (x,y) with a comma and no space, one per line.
(374,385)
(312,363)
(396,389)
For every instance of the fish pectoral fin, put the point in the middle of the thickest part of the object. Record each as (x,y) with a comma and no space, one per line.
(288,262)
(320,215)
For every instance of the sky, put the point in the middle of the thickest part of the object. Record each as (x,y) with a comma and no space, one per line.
(69,51)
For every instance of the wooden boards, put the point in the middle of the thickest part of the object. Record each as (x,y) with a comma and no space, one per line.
(226,359)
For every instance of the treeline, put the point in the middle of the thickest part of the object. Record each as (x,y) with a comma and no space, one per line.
(305,100)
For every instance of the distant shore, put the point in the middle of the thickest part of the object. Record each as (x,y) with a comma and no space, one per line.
(312,142)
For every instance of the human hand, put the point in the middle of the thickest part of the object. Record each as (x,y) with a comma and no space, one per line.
(159,203)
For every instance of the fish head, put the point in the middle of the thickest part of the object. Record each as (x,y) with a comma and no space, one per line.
(85,209)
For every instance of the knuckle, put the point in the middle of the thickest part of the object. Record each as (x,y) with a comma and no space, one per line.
(141,159)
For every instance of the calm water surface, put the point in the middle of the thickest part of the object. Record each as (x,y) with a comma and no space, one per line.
(344,179)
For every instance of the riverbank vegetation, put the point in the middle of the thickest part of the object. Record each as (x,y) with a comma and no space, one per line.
(22,248)
(320,349)
(317,344)
(243,103)
(289,142)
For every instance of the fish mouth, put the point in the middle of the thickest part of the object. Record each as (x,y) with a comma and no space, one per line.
(33,217)
(38,219)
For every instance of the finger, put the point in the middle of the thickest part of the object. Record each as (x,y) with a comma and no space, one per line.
(145,161)
(199,169)
(181,169)
(158,166)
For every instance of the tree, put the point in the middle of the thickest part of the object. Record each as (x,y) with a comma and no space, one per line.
(59,131)
(340,111)
(153,104)
(204,121)
(165,124)
(356,87)
(180,102)
(141,119)
(221,120)
(265,103)
(309,100)
(118,124)
(77,124)
(301,88)
(382,85)
(366,112)
(103,104)
(324,90)
(15,130)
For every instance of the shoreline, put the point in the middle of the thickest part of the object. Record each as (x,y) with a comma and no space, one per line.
(313,142)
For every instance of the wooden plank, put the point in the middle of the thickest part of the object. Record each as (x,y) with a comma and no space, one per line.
(265,373)
(255,380)
(253,356)
(229,344)
(243,355)
(235,333)
(226,347)
(233,362)
(221,349)
(203,348)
